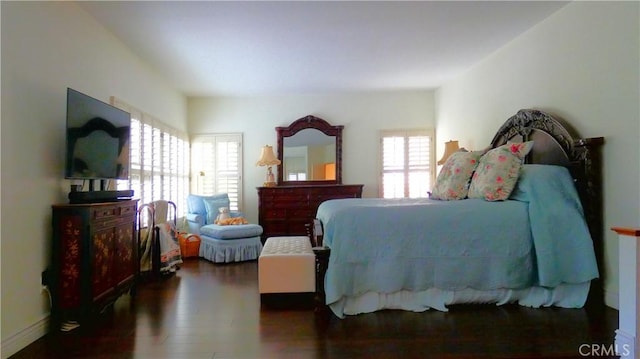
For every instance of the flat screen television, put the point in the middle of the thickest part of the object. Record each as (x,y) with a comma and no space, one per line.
(98,139)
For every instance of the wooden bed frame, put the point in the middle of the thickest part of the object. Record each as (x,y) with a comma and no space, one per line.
(555,143)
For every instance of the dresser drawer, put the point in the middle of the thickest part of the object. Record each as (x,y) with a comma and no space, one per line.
(104,212)
(302,213)
(284,199)
(128,210)
(292,196)
(275,228)
(288,204)
(270,213)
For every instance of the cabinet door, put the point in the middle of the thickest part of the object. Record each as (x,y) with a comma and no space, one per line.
(124,262)
(102,264)
(67,258)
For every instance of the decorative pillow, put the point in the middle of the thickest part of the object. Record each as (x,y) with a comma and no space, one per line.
(195,203)
(213,206)
(498,171)
(453,180)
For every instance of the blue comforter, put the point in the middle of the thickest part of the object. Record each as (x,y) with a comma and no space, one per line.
(538,238)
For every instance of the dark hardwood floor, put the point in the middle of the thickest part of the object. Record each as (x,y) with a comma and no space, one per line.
(214,311)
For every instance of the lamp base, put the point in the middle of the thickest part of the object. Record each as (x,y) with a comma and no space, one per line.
(269,184)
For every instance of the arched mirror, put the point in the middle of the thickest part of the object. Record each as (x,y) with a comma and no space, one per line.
(310,152)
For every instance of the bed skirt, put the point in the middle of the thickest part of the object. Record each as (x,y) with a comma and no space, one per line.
(564,296)
(230,250)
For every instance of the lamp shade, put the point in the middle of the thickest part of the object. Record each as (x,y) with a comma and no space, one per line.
(267,157)
(449,148)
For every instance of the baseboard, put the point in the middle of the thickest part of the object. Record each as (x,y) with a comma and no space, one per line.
(23,338)
(611,299)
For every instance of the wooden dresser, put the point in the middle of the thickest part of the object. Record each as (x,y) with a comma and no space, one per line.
(94,257)
(285,210)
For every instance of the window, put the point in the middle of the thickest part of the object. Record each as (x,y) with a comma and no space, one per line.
(407,158)
(217,166)
(295,176)
(159,160)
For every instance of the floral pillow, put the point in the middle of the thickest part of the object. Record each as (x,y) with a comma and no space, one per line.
(453,180)
(498,171)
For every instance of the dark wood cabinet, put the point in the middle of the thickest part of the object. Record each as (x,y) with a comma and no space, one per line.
(94,257)
(285,210)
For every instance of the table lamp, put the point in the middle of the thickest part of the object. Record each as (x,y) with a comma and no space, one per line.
(449,148)
(268,158)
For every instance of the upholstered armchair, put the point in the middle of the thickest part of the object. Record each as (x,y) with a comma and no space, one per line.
(221,243)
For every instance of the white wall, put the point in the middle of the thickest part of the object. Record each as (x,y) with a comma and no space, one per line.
(362,114)
(47,47)
(581,64)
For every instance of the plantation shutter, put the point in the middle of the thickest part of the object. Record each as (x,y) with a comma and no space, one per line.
(406,161)
(159,160)
(217,166)
(393,182)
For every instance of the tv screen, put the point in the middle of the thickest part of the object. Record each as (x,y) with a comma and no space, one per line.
(98,139)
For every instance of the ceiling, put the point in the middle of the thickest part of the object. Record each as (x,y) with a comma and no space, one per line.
(242,48)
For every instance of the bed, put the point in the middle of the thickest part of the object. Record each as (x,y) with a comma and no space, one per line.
(539,247)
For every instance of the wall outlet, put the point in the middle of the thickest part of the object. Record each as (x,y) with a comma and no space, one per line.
(45,277)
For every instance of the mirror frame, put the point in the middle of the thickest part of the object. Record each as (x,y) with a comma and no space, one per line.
(310,122)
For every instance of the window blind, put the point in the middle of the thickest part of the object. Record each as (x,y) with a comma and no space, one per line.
(159,159)
(217,166)
(406,162)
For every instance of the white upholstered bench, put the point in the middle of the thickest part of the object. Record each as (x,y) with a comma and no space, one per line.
(286,265)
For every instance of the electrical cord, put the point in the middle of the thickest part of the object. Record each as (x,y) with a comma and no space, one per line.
(46,289)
